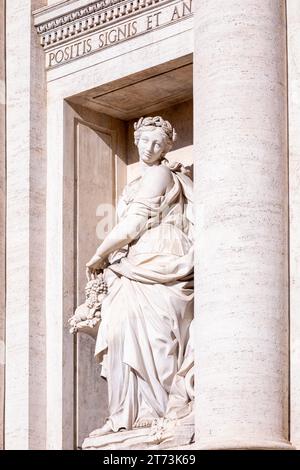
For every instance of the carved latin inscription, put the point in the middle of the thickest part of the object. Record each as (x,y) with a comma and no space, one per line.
(120,31)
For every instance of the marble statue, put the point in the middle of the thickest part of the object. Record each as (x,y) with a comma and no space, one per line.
(145,265)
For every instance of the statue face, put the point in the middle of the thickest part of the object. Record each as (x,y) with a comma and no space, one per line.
(152,145)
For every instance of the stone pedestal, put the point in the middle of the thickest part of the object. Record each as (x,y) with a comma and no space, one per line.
(241,195)
(164,434)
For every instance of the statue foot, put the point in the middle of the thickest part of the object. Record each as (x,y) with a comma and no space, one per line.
(105,429)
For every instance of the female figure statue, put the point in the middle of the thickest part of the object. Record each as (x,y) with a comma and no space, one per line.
(143,341)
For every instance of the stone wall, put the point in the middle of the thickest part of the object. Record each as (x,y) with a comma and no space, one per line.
(181,117)
(25,394)
(2,213)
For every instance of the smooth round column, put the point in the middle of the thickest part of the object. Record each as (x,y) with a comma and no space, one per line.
(241,199)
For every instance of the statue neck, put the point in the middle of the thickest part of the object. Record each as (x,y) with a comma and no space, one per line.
(144,167)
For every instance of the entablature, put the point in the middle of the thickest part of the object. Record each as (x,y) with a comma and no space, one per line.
(76,28)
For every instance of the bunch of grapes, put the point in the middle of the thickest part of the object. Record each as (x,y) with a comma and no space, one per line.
(93,289)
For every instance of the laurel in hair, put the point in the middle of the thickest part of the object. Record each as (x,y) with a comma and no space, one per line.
(152,122)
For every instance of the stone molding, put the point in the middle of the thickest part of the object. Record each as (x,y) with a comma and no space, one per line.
(88,18)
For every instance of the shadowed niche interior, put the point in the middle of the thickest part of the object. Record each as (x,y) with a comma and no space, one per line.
(105,159)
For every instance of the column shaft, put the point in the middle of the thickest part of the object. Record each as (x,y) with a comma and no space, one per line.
(241,194)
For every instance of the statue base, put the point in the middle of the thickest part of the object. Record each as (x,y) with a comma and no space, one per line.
(163,434)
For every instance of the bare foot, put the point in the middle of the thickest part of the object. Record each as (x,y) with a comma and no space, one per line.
(106,429)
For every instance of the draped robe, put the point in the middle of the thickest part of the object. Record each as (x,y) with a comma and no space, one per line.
(143,341)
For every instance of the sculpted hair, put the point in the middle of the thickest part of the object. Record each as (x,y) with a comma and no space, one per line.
(153,123)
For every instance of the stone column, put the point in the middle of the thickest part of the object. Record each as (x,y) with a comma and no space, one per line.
(241,194)
(293,23)
(2,215)
(25,392)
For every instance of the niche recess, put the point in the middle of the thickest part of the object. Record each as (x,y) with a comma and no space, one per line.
(100,150)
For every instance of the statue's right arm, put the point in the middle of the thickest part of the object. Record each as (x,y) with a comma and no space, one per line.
(154,184)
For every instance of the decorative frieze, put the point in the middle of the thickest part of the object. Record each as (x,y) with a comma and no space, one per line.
(93,16)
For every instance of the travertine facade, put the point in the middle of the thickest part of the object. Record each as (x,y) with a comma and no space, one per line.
(78,74)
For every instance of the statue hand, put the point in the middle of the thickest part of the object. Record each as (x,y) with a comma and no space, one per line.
(95,264)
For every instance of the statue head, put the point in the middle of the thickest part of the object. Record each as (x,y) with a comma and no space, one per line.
(154,138)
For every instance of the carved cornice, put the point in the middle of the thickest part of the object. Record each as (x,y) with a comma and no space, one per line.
(89,18)
(78,14)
